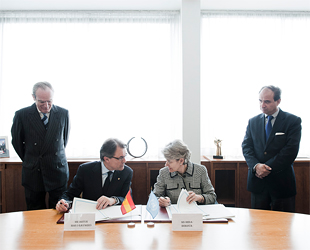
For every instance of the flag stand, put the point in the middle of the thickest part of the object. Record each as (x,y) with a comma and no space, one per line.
(152,207)
(150,224)
(131,224)
(127,206)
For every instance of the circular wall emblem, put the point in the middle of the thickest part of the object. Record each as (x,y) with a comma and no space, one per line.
(136,147)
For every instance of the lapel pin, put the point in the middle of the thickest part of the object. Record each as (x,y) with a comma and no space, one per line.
(118,179)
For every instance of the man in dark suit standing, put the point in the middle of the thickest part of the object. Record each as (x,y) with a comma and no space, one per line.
(39,137)
(270,146)
(106,181)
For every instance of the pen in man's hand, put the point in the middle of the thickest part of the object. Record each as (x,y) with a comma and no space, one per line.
(68,202)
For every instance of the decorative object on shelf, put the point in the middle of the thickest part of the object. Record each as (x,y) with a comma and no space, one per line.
(4,147)
(218,144)
(136,147)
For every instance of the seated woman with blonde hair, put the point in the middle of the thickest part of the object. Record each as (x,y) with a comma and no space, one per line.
(179,173)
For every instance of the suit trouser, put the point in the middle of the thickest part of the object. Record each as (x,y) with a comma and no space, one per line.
(266,201)
(36,200)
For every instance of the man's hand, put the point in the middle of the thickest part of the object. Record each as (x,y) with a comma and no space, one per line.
(262,170)
(62,206)
(104,201)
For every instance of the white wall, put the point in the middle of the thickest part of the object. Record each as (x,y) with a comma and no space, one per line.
(190,30)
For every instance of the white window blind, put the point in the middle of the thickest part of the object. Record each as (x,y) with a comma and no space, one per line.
(116,73)
(242,52)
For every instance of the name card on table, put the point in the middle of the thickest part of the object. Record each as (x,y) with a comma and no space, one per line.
(78,222)
(186,222)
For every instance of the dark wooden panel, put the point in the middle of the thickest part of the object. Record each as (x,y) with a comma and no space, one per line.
(14,196)
(225,183)
(244,194)
(224,165)
(153,171)
(302,186)
(145,173)
(139,182)
(73,167)
(225,186)
(156,165)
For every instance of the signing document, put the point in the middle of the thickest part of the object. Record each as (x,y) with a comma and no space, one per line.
(209,212)
(80,206)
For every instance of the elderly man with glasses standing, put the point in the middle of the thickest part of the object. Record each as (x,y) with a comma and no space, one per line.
(106,181)
(39,136)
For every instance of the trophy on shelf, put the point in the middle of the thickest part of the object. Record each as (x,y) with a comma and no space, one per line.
(218,144)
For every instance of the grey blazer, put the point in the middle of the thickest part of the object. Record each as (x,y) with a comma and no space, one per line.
(195,179)
(42,151)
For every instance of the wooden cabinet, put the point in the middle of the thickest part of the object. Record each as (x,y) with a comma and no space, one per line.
(228,176)
(12,192)
(12,196)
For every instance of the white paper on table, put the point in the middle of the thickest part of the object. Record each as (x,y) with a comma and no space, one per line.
(216,211)
(81,206)
(115,212)
(210,212)
(183,206)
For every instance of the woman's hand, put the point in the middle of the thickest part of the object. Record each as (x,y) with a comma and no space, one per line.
(164,201)
(194,197)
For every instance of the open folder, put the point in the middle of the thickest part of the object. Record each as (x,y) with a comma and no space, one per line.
(109,214)
(209,212)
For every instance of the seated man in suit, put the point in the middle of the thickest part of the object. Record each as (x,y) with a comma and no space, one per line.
(106,181)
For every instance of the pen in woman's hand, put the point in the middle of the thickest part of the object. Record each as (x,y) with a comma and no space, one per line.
(167,198)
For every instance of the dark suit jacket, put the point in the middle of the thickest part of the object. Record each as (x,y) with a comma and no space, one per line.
(279,152)
(42,151)
(88,180)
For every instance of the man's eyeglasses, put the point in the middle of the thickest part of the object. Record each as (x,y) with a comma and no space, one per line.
(43,102)
(121,158)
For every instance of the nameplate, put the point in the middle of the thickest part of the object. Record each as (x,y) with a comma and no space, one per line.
(78,222)
(187,222)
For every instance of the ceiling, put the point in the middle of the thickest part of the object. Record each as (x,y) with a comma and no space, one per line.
(288,5)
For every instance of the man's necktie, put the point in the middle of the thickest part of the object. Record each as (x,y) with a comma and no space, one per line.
(268,127)
(45,120)
(106,183)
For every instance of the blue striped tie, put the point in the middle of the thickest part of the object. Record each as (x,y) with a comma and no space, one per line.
(45,120)
(268,126)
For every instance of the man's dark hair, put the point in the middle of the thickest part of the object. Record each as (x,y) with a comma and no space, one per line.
(109,147)
(275,90)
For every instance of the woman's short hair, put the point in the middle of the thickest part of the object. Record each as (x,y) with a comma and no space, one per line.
(109,147)
(176,150)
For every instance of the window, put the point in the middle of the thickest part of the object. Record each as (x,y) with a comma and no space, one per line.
(114,71)
(242,52)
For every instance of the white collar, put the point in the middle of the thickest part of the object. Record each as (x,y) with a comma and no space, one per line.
(104,170)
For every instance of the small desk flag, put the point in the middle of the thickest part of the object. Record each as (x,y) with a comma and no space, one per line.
(127,204)
(152,205)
